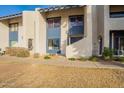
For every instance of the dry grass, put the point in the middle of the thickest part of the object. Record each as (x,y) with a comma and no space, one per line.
(38,75)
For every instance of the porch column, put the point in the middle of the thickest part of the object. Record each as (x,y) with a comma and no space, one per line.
(106,26)
(88,28)
(37,30)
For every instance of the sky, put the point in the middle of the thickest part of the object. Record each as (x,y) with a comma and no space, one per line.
(12,9)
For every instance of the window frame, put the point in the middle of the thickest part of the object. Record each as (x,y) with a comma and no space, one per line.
(117,14)
(76,36)
(53,25)
(73,16)
(52,44)
(14,26)
(30,47)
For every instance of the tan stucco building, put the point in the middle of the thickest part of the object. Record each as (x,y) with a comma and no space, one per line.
(73,31)
(111,27)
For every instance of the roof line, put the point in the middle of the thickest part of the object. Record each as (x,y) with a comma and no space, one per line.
(11,16)
(61,7)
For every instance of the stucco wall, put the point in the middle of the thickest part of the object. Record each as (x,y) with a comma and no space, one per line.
(94,31)
(111,24)
(4,33)
(64,14)
(100,26)
(25,31)
(19,21)
(40,33)
(41,29)
(84,47)
(28,28)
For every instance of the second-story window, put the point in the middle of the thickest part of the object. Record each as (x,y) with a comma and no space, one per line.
(76,28)
(116,11)
(53,22)
(116,14)
(13,27)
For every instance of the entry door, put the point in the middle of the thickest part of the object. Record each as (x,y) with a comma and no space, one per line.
(53,35)
(100,46)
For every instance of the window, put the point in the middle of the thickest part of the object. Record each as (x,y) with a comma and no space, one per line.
(13,27)
(56,22)
(76,20)
(30,44)
(53,44)
(74,39)
(116,14)
(116,11)
(53,22)
(76,28)
(50,23)
(13,34)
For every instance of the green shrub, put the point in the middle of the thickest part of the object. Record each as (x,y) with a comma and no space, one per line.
(93,58)
(107,53)
(72,59)
(82,59)
(36,55)
(17,51)
(47,57)
(121,59)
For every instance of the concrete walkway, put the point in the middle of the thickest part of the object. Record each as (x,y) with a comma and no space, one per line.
(62,61)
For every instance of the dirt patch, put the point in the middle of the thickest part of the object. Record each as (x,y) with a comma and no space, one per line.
(39,75)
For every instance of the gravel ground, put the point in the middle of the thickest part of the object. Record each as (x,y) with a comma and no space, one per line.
(30,75)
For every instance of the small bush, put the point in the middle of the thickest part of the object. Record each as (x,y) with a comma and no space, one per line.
(47,57)
(17,51)
(121,59)
(12,51)
(82,59)
(36,55)
(51,54)
(107,53)
(23,53)
(72,59)
(93,58)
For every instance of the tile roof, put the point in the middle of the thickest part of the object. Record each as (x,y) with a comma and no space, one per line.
(61,7)
(11,16)
(53,8)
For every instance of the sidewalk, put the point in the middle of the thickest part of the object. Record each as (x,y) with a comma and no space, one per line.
(62,61)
